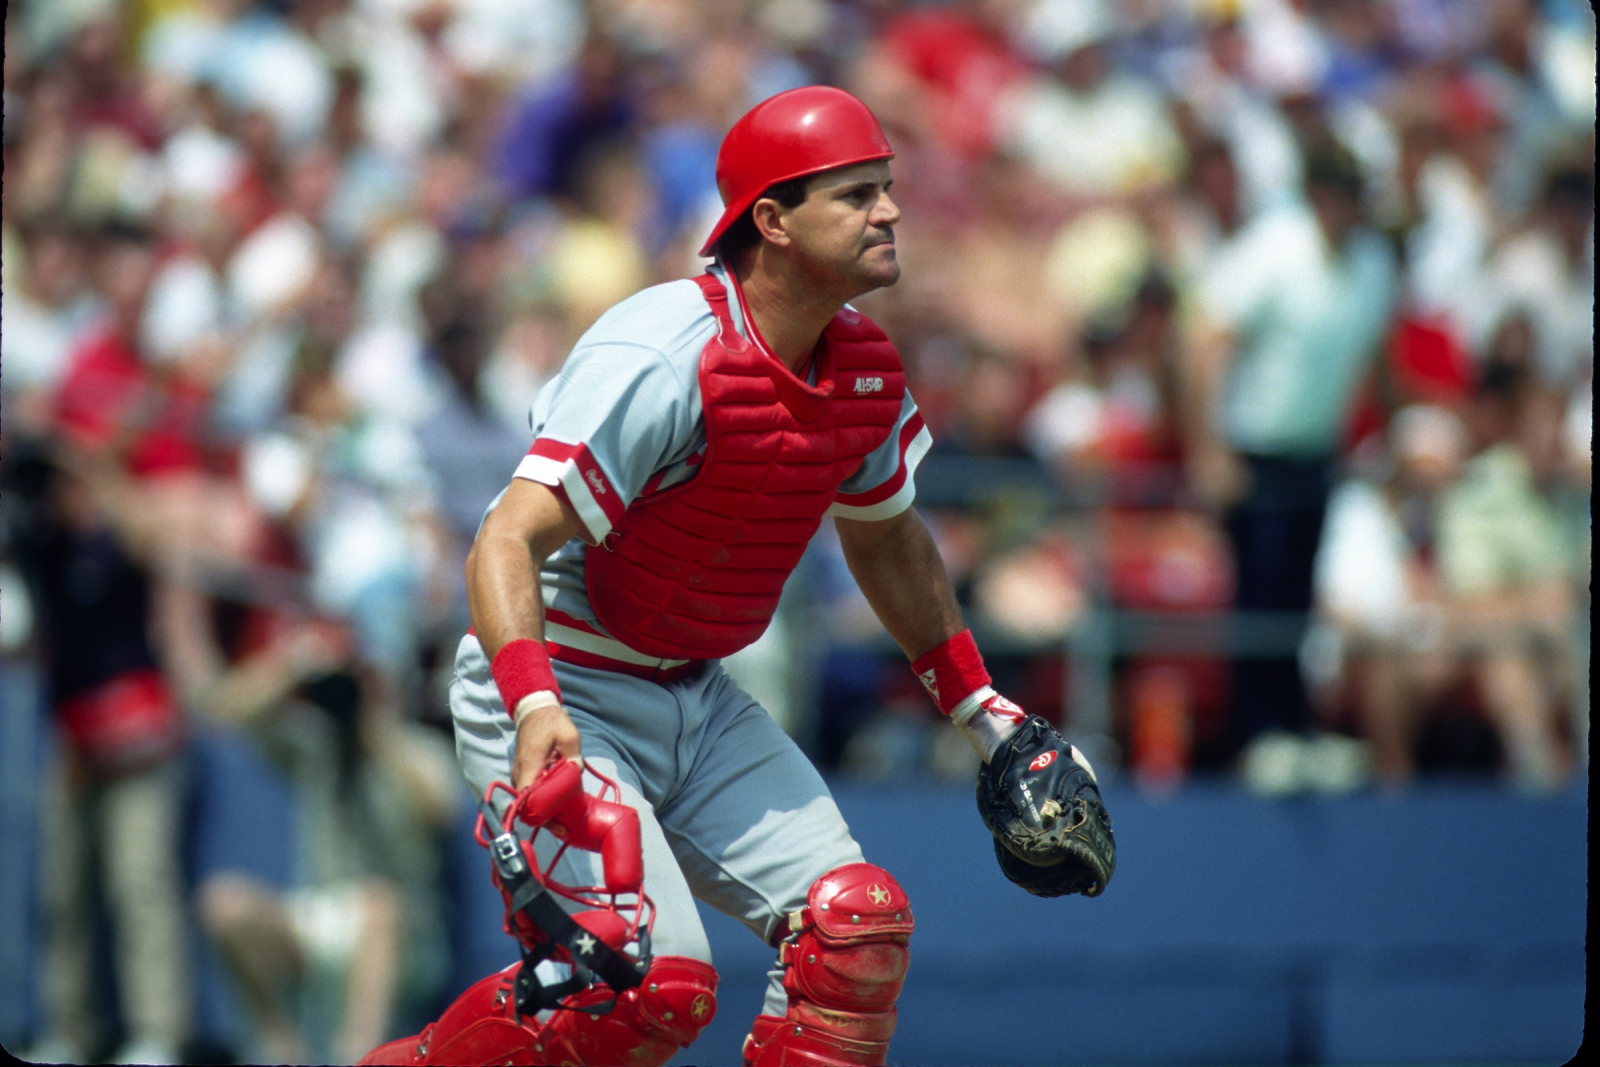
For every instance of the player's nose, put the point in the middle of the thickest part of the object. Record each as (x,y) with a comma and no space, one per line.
(885,212)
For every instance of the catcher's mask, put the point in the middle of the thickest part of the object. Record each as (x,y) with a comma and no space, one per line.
(609,939)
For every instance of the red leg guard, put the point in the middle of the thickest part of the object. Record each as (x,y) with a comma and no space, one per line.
(480,1027)
(645,1027)
(845,963)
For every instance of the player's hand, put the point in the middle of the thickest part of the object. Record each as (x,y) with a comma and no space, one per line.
(1039,798)
(545,734)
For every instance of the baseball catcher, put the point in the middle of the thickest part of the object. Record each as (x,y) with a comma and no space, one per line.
(692,445)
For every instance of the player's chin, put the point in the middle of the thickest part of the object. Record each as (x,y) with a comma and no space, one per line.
(880,267)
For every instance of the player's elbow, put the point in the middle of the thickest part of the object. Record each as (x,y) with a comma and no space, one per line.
(863,538)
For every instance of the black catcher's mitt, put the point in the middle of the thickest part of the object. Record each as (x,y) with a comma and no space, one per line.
(1052,835)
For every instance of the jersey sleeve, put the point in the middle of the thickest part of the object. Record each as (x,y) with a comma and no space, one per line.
(602,427)
(885,484)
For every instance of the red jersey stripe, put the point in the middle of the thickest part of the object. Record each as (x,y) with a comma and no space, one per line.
(908,433)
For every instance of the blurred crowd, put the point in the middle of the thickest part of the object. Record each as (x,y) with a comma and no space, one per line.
(1271,314)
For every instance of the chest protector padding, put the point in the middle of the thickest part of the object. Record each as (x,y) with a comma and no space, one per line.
(694,571)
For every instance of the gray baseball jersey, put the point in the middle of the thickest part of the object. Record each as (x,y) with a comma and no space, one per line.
(623,420)
(732,811)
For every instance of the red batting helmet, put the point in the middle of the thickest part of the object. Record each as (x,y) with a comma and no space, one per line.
(791,135)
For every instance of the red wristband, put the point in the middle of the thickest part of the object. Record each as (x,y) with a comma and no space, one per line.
(953,671)
(522,667)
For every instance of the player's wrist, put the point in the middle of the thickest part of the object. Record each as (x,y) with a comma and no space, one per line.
(953,674)
(522,671)
(986,720)
(971,706)
(533,702)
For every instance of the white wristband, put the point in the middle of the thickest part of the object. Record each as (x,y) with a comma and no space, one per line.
(982,728)
(539,698)
(968,706)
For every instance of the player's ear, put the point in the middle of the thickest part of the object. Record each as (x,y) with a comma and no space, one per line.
(770,223)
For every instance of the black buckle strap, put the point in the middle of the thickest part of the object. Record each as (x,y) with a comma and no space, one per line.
(590,955)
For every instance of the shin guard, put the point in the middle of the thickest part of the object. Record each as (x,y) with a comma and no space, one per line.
(644,1028)
(844,963)
(480,1027)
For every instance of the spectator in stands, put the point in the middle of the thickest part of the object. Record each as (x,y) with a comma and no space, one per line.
(351,488)
(127,444)
(47,303)
(1546,273)
(1115,428)
(1091,127)
(1203,212)
(467,449)
(1114,435)
(113,401)
(355,945)
(1507,565)
(112,810)
(554,126)
(1292,314)
(1378,586)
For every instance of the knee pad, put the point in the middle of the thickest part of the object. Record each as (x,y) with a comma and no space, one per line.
(844,962)
(646,1026)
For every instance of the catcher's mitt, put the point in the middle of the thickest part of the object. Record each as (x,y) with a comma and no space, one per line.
(1052,835)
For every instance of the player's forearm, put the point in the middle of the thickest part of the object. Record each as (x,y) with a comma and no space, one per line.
(527,525)
(508,616)
(898,568)
(503,591)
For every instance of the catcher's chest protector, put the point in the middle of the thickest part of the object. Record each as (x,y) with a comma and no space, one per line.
(694,571)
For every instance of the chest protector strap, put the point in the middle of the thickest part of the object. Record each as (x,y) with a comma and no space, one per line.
(694,571)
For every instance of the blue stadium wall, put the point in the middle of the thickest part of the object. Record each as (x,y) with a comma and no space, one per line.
(1446,924)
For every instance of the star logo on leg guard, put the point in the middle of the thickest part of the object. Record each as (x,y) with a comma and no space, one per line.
(701,1007)
(585,943)
(879,895)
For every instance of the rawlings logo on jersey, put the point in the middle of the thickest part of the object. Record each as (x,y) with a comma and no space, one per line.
(869,385)
(1042,760)
(596,482)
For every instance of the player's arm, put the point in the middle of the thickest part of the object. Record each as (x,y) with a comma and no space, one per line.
(899,570)
(897,566)
(1036,793)
(528,524)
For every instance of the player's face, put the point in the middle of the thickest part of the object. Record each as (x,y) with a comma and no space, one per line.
(845,226)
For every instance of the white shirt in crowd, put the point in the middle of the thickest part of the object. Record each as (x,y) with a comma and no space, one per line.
(1307,320)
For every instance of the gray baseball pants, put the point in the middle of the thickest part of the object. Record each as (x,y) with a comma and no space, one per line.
(731,811)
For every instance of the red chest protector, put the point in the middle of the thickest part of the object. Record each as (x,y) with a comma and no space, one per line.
(694,571)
